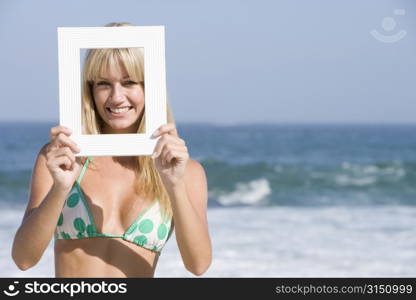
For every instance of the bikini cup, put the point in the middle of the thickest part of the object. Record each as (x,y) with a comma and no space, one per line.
(149,230)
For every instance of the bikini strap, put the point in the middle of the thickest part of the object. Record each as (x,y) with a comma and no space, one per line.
(83,169)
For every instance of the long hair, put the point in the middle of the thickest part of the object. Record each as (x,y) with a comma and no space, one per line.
(148,182)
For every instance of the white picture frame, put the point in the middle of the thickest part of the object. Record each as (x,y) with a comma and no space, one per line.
(70,42)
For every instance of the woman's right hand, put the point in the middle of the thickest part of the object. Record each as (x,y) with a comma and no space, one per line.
(60,157)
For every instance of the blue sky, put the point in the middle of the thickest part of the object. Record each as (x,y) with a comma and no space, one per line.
(294,61)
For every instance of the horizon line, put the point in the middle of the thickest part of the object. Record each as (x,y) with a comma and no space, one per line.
(252,122)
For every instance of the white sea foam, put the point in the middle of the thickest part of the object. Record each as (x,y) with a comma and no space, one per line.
(279,242)
(343,179)
(251,193)
(278,168)
(363,175)
(307,242)
(396,169)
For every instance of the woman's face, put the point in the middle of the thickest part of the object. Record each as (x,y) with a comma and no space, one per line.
(119,100)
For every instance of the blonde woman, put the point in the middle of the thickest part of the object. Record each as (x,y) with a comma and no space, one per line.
(112,216)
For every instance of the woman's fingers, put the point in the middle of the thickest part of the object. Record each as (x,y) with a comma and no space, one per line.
(169,128)
(168,134)
(64,151)
(176,154)
(57,129)
(59,161)
(60,137)
(166,139)
(171,151)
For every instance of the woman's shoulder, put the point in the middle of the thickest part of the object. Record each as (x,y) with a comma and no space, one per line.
(194,166)
(194,171)
(40,162)
(41,156)
(43,149)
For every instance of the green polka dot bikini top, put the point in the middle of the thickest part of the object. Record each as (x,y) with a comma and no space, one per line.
(149,230)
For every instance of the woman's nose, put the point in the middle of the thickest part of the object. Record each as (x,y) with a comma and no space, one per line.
(117,93)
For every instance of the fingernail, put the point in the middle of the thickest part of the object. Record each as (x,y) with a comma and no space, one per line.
(156,132)
(154,155)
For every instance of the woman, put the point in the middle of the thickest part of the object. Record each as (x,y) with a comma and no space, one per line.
(111,216)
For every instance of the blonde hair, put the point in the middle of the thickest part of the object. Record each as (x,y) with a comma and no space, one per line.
(97,61)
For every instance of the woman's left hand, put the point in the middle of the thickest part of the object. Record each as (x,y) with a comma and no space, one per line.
(170,155)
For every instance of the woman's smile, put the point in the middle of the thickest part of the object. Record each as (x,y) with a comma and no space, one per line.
(119,112)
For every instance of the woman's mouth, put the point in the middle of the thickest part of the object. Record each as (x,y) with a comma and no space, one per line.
(119,111)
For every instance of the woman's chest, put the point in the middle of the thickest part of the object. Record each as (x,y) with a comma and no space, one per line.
(112,200)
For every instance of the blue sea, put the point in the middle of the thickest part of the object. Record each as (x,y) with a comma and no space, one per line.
(300,200)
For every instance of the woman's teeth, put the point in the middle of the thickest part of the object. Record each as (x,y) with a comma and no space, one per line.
(119,110)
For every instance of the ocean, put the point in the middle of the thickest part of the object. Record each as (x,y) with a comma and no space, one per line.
(299,200)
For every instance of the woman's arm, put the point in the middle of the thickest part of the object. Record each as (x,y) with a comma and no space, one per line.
(186,184)
(53,175)
(39,221)
(189,205)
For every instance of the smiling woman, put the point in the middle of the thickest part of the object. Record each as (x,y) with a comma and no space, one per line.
(113,98)
(112,216)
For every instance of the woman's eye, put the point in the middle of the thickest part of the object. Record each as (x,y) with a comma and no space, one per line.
(102,83)
(129,82)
